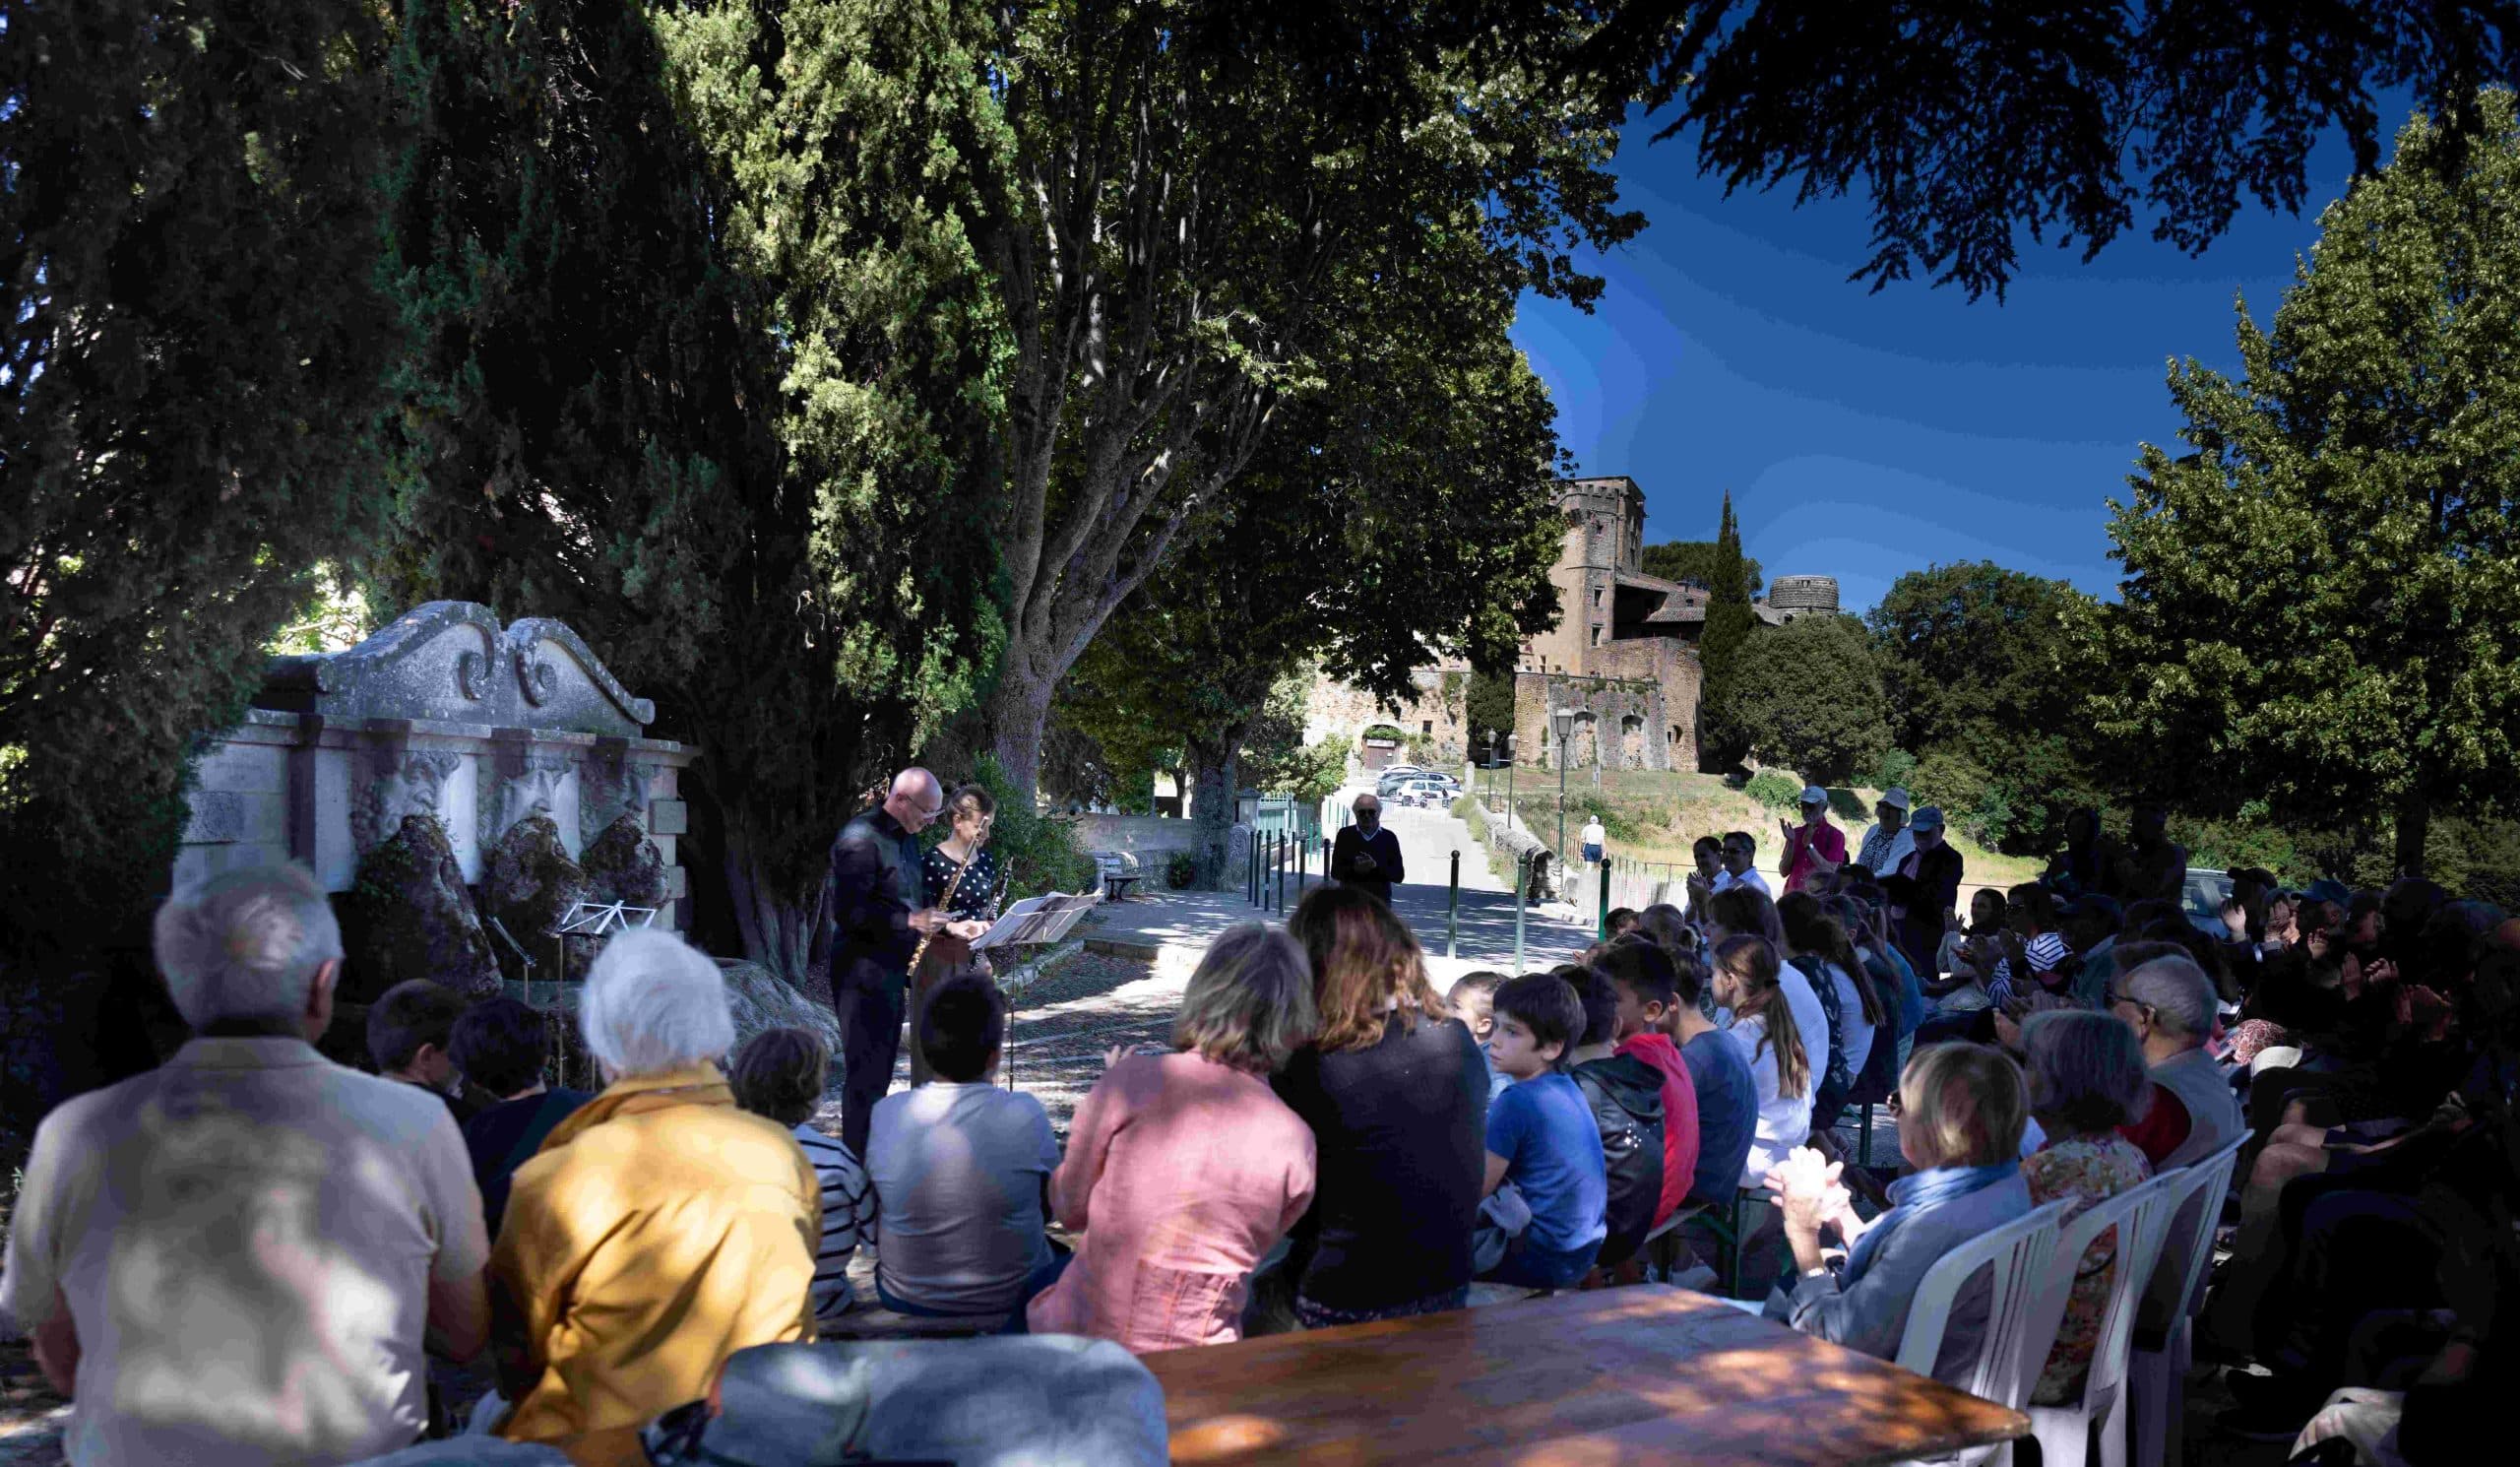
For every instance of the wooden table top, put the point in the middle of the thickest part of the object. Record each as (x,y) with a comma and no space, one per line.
(1647,1374)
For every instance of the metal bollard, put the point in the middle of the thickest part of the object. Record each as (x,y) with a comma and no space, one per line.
(1601,926)
(1522,891)
(1281,864)
(1452,913)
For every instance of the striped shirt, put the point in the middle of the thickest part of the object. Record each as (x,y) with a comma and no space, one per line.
(848,1218)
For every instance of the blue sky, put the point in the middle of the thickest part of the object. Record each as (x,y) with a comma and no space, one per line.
(1864,435)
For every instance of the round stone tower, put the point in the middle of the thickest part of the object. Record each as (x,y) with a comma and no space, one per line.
(1804,593)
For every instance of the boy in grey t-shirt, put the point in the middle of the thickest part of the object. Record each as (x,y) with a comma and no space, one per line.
(960,1168)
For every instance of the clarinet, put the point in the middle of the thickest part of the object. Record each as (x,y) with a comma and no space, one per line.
(946,905)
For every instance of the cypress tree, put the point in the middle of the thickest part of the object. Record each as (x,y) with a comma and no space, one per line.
(1729,619)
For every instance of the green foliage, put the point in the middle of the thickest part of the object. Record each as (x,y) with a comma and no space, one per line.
(2321,600)
(1695,560)
(1275,758)
(1966,126)
(1230,235)
(1775,788)
(1617,822)
(1723,742)
(1806,696)
(1897,767)
(193,350)
(708,364)
(1489,709)
(1972,801)
(1180,869)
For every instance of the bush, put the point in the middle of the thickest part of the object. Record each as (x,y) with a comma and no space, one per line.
(1180,869)
(1615,821)
(1971,800)
(1897,767)
(1775,788)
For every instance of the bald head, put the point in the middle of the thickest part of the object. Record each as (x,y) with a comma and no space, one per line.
(916,799)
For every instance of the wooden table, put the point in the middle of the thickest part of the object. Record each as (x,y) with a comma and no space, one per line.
(1647,1374)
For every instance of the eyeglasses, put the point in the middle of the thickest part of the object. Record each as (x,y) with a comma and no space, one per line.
(2114,998)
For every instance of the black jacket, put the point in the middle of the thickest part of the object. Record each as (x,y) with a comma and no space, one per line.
(1383,846)
(1626,1097)
(874,888)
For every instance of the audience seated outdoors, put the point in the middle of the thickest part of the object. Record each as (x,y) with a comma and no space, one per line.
(1961,1112)
(502,1046)
(235,1257)
(1545,1185)
(1647,986)
(1395,1093)
(659,1229)
(780,1075)
(960,1168)
(1625,1096)
(2086,1081)
(1473,1001)
(1185,1169)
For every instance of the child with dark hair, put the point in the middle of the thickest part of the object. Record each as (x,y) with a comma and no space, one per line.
(1625,1096)
(960,1169)
(781,1074)
(1622,921)
(501,1045)
(407,1038)
(1473,1001)
(1647,985)
(1545,1230)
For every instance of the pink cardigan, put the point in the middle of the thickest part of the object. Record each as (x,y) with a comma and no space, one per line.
(1182,1173)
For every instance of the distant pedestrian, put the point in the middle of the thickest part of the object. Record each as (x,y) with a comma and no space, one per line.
(1593,838)
(1365,856)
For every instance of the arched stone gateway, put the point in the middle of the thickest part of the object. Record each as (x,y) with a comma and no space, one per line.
(1632,742)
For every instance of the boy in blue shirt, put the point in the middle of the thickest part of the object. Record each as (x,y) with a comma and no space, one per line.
(1542,1138)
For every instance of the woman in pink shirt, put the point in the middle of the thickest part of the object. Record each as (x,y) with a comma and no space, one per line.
(1184,1170)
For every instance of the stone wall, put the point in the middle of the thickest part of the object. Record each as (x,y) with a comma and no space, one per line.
(446,715)
(1614,723)
(1149,838)
(1439,711)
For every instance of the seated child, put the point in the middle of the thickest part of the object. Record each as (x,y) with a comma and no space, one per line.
(407,1029)
(501,1045)
(1647,983)
(960,1168)
(780,1075)
(1625,1096)
(1473,999)
(1542,1139)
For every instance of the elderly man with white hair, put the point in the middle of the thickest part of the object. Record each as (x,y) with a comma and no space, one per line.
(659,1229)
(2170,1004)
(877,905)
(235,1257)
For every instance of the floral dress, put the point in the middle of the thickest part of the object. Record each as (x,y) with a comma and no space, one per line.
(2088,1170)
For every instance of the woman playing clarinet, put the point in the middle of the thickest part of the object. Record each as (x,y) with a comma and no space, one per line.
(962,877)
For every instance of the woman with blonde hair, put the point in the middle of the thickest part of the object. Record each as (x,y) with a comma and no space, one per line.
(1184,1170)
(1395,1091)
(1962,1110)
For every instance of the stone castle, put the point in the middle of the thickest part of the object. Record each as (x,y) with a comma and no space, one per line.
(1624,655)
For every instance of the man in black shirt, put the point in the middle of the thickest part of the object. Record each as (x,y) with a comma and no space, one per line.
(1365,856)
(875,900)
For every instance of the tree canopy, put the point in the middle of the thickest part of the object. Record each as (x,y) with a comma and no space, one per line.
(1203,195)
(194,350)
(707,365)
(1729,624)
(1967,123)
(2321,599)
(1694,560)
(1806,696)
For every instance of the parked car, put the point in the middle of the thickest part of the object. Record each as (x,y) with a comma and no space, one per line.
(1429,793)
(2203,898)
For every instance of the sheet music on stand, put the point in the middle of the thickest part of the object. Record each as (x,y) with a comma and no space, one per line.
(1037,919)
(595,918)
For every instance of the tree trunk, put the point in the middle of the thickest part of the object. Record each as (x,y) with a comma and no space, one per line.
(1211,802)
(788,936)
(2415,822)
(1017,712)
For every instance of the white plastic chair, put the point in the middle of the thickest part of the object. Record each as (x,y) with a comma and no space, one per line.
(2142,1217)
(2017,1257)
(2156,1370)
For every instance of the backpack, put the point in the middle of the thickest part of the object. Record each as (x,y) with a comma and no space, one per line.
(1625,1095)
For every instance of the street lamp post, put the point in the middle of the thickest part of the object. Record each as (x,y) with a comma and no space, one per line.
(1564,718)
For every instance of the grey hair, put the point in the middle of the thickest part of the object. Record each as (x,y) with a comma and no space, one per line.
(246,943)
(2178,991)
(653,1003)
(2086,1070)
(1250,1003)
